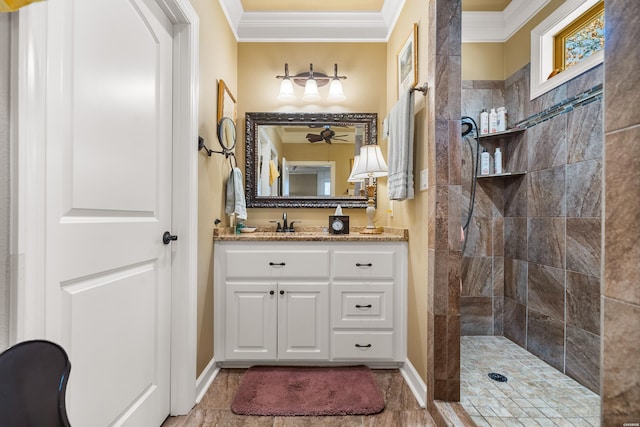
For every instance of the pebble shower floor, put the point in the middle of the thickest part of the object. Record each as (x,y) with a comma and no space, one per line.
(535,393)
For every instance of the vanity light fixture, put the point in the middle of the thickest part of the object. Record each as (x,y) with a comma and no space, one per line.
(370,165)
(311,81)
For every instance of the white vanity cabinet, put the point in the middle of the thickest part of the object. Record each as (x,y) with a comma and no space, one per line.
(276,301)
(268,321)
(334,301)
(368,300)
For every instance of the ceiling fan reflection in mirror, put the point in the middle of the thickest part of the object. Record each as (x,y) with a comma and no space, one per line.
(326,135)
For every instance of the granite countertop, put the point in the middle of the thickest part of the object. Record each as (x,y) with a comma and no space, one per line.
(389,234)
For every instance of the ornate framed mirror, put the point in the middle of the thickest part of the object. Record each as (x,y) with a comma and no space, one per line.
(303,160)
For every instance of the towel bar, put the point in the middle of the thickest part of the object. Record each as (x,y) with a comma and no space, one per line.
(422,89)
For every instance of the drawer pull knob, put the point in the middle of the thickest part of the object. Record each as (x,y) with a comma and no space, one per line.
(358,264)
(281,292)
(363,306)
(277,263)
(363,346)
(271,292)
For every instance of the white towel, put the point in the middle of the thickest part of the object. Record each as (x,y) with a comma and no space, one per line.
(400,148)
(236,203)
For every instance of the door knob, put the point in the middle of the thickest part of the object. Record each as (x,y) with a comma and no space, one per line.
(168,237)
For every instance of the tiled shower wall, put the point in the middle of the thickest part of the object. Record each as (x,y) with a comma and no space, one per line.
(482,298)
(531,266)
(621,284)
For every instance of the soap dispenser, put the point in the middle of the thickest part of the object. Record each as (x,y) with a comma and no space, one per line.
(497,158)
(501,119)
(493,121)
(484,122)
(484,162)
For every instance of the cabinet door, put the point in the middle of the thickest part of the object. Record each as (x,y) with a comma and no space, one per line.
(303,326)
(251,318)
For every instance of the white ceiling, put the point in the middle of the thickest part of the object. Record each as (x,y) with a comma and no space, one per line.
(361,21)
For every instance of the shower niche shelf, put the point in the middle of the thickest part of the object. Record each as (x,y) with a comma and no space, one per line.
(503,175)
(506,133)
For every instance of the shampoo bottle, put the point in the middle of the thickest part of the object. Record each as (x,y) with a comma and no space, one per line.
(497,158)
(484,162)
(484,122)
(502,119)
(493,121)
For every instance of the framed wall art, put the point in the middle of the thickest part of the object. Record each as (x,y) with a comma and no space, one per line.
(226,102)
(408,62)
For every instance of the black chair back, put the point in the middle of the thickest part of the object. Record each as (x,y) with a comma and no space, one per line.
(33,383)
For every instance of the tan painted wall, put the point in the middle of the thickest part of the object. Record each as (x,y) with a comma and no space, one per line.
(338,153)
(218,60)
(413,214)
(364,66)
(483,61)
(370,87)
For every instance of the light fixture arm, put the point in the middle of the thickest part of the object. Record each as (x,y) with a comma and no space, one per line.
(335,73)
(301,78)
(311,80)
(286,72)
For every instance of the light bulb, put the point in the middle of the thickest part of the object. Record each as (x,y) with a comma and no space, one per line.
(335,91)
(311,91)
(286,91)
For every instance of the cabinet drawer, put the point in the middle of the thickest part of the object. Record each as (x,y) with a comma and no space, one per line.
(362,345)
(362,306)
(364,264)
(306,263)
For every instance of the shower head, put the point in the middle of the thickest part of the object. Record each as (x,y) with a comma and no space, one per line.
(466,128)
(467,125)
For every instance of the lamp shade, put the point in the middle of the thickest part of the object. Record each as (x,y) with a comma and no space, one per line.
(311,91)
(335,91)
(356,161)
(371,163)
(286,90)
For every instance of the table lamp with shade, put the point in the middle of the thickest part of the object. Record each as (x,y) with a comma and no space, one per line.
(358,182)
(369,165)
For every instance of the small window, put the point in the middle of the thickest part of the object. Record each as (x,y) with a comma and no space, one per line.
(575,31)
(579,40)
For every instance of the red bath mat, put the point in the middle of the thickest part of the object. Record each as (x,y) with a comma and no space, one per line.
(311,391)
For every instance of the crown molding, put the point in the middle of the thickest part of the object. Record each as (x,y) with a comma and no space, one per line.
(311,26)
(492,27)
(498,27)
(233,11)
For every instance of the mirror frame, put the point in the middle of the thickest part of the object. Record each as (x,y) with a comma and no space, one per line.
(254,120)
(225,125)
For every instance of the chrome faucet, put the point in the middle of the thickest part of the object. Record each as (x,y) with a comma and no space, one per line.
(285,226)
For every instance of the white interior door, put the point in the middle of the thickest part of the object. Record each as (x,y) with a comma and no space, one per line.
(108,178)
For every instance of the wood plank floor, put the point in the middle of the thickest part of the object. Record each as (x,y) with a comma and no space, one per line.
(401,408)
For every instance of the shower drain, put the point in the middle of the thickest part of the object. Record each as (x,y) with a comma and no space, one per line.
(498,377)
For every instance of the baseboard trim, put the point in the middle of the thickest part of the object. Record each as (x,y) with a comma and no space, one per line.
(205,379)
(415,383)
